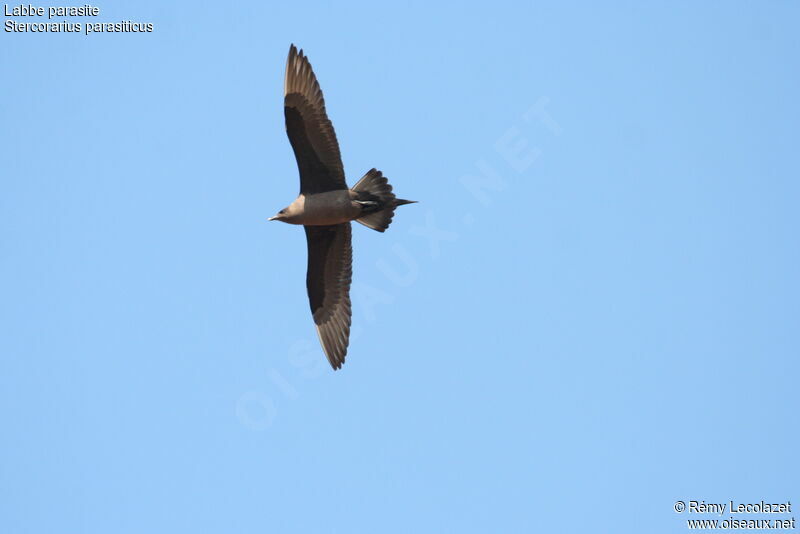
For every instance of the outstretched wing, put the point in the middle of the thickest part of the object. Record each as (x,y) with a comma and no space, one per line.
(309,129)
(330,260)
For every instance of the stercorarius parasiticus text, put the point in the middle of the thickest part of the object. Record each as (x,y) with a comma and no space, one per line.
(326,206)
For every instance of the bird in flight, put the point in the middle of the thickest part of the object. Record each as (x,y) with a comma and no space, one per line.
(326,205)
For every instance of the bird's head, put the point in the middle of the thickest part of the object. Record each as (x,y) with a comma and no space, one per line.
(291,214)
(280,216)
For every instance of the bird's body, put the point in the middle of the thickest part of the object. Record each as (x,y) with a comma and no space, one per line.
(326,205)
(331,207)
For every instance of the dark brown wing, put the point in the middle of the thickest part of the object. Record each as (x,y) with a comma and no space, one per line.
(310,132)
(330,260)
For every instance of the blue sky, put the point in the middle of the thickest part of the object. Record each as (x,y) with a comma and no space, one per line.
(605,324)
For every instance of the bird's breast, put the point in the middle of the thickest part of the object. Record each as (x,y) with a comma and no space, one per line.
(332,207)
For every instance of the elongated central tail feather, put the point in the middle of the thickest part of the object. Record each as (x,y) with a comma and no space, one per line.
(374,194)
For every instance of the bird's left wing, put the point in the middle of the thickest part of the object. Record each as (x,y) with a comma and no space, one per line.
(309,129)
(330,260)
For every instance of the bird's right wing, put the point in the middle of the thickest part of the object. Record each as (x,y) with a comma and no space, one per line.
(309,129)
(330,260)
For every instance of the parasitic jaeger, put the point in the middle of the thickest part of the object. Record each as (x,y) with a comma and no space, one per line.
(326,205)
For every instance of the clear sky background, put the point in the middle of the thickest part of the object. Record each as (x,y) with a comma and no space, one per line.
(591,314)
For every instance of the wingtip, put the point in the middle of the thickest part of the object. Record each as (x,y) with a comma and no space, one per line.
(336,362)
(294,53)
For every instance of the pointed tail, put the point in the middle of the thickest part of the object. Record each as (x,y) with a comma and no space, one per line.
(378,203)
